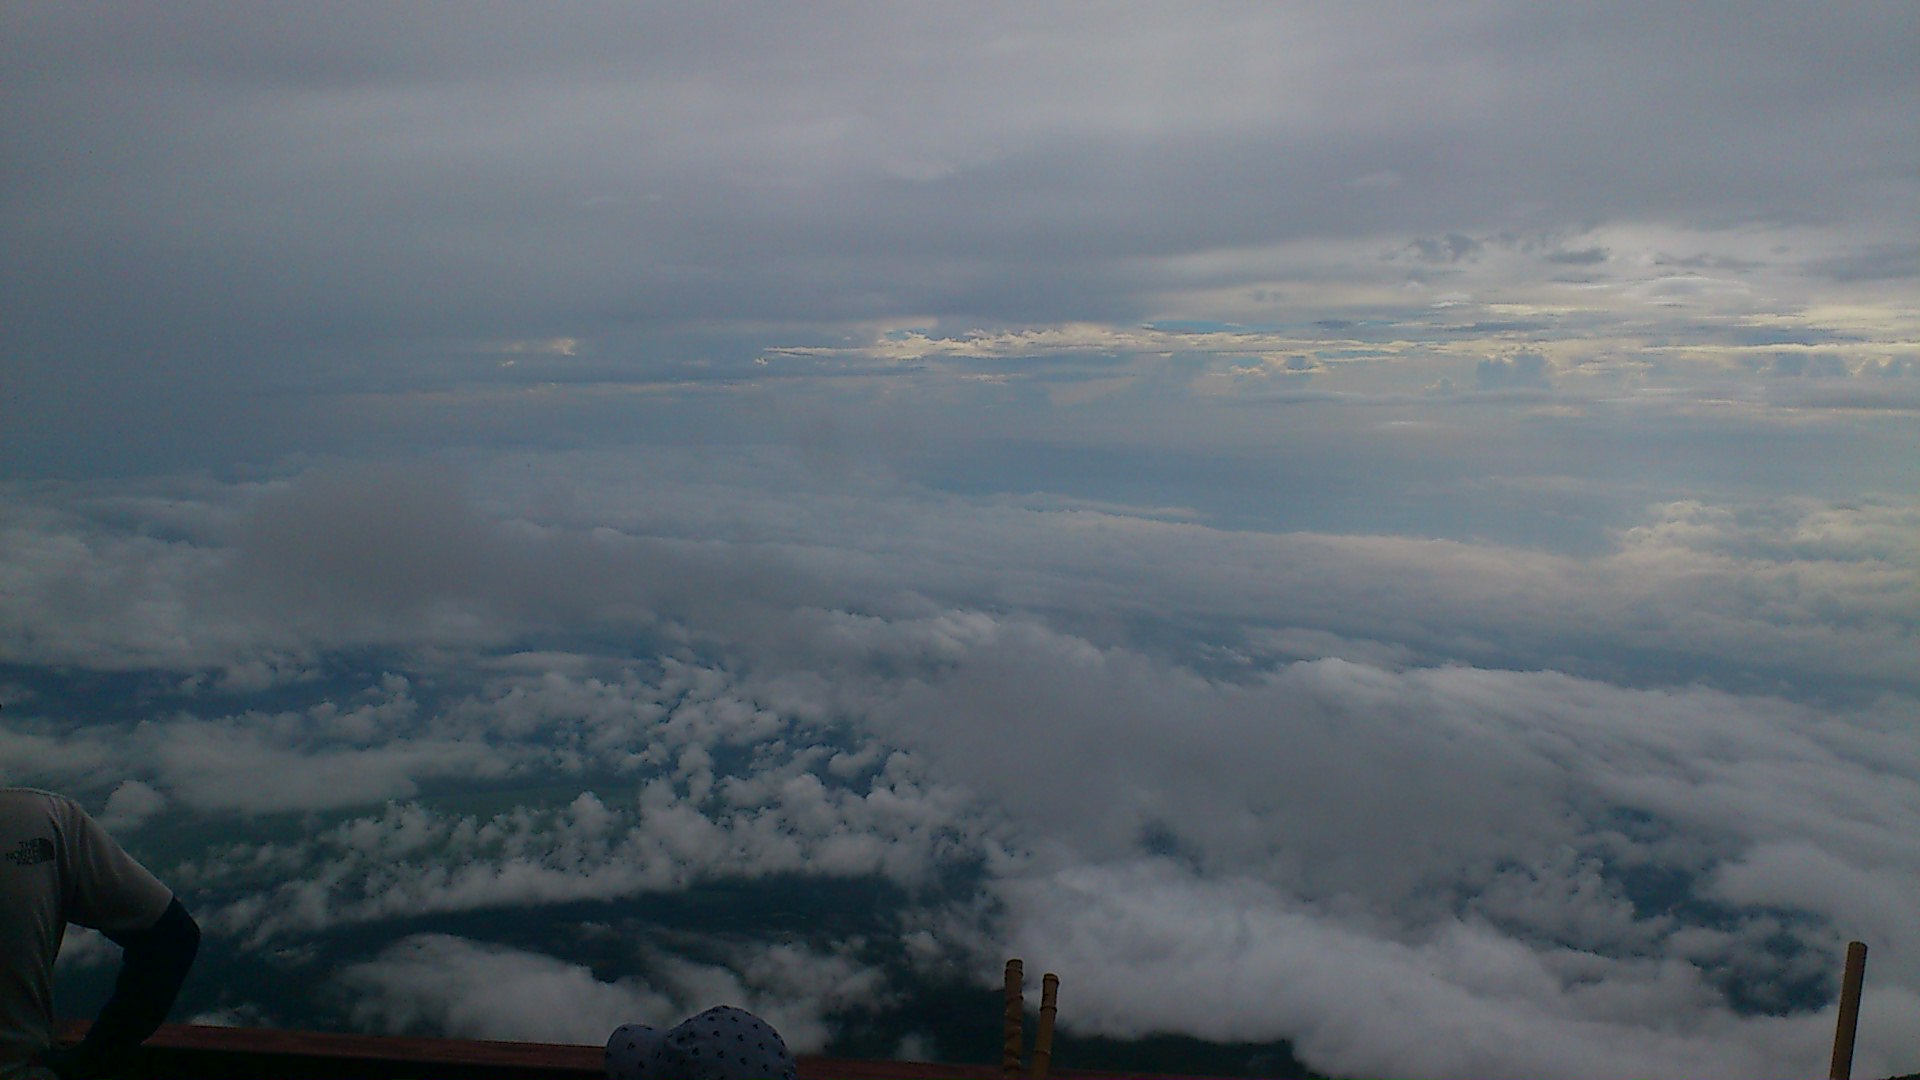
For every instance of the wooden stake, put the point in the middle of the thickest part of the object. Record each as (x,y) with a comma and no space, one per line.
(1849,1019)
(1016,1006)
(1043,1036)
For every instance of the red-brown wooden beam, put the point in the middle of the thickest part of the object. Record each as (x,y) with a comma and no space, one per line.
(195,1052)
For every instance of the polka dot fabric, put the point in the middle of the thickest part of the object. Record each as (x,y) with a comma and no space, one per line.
(629,1050)
(723,1043)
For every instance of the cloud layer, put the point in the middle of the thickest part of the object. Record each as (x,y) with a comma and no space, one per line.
(1162,753)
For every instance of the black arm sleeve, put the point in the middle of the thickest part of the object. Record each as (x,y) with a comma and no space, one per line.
(151,972)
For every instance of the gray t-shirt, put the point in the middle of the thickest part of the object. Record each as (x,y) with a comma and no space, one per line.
(57,866)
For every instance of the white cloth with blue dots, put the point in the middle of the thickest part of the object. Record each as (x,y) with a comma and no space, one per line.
(723,1043)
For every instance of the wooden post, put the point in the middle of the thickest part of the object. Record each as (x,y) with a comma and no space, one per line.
(1043,1036)
(1016,1006)
(1849,1019)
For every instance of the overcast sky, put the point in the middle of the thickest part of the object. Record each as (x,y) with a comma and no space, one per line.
(1430,490)
(233,232)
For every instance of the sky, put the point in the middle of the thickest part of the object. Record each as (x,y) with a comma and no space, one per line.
(1393,529)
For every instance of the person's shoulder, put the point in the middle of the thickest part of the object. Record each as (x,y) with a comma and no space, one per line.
(31,796)
(28,796)
(30,793)
(23,802)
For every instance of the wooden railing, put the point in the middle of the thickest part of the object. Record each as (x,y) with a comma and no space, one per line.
(195,1052)
(192,1052)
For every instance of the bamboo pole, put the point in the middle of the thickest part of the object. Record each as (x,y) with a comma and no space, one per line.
(1043,1036)
(1010,1053)
(1848,1021)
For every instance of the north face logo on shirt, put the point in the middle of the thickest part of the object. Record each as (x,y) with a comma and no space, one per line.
(32,852)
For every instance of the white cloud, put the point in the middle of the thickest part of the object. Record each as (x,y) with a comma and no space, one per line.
(447,985)
(1147,947)
(1345,809)
(1521,370)
(33,759)
(86,947)
(240,764)
(443,984)
(1457,828)
(131,805)
(1793,587)
(682,819)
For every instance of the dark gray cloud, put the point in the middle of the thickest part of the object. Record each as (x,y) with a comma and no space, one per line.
(1883,262)
(1446,249)
(1583,257)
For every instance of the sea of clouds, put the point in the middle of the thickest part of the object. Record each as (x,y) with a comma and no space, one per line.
(1421,806)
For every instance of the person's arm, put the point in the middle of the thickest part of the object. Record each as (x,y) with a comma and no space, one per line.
(155,963)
